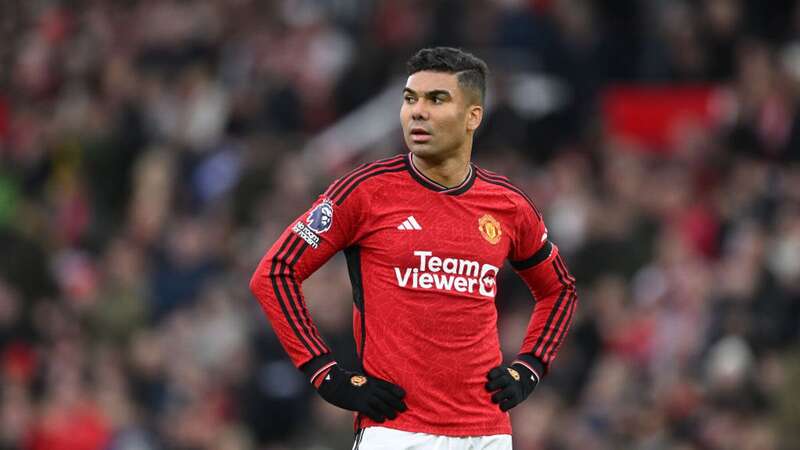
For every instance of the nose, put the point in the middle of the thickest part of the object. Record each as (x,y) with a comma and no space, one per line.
(419,111)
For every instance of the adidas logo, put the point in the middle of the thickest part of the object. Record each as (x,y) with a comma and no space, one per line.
(409,224)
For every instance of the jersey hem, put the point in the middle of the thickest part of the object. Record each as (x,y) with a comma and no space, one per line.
(438,431)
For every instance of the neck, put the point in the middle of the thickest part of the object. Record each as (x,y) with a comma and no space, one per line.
(448,172)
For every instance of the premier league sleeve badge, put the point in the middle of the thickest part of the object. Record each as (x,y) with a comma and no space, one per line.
(320,218)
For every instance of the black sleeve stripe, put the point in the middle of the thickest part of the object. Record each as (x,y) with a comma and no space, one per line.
(365,173)
(297,290)
(519,191)
(564,266)
(363,178)
(505,182)
(540,256)
(557,330)
(315,336)
(346,181)
(276,261)
(295,297)
(356,171)
(566,313)
(294,302)
(573,300)
(343,178)
(572,305)
(549,323)
(515,189)
(559,309)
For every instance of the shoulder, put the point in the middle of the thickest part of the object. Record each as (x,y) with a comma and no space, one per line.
(505,185)
(359,177)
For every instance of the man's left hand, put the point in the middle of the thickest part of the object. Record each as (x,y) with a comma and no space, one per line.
(511,384)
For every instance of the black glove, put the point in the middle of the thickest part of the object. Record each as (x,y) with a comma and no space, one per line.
(377,399)
(513,384)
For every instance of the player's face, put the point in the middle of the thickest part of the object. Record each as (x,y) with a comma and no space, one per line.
(437,115)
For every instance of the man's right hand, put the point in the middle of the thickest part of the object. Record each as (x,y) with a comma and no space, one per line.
(377,399)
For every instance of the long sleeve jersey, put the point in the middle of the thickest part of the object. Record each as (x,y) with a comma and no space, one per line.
(423,261)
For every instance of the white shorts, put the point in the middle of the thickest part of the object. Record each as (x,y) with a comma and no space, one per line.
(382,438)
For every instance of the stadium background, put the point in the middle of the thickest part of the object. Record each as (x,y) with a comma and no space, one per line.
(150,151)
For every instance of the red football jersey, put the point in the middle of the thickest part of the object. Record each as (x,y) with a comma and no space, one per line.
(422,260)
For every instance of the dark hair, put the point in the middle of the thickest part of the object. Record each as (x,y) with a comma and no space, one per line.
(470,70)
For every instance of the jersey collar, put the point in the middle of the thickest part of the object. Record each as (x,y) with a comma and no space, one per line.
(420,177)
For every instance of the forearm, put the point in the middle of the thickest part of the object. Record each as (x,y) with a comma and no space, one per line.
(553,288)
(277,287)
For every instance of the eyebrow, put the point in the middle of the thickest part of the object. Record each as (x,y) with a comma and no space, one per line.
(429,94)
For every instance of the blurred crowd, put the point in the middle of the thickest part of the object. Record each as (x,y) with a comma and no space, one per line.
(150,152)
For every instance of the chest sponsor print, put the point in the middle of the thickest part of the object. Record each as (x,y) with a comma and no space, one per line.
(448,274)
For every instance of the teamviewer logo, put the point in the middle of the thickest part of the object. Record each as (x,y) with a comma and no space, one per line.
(448,274)
(488,281)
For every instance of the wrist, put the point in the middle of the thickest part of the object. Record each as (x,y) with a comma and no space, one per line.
(316,369)
(319,377)
(528,377)
(532,363)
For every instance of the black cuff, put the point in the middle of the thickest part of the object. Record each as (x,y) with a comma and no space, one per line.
(533,363)
(542,254)
(313,366)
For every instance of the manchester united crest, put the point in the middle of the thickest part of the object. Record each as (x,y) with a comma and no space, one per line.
(490,229)
(358,380)
(514,374)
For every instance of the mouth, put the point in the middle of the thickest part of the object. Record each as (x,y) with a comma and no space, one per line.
(420,135)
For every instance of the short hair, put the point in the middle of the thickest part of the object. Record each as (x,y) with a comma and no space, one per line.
(470,70)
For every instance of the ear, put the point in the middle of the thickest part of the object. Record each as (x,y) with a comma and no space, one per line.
(474,117)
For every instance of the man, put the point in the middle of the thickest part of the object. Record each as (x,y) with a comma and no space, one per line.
(424,234)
